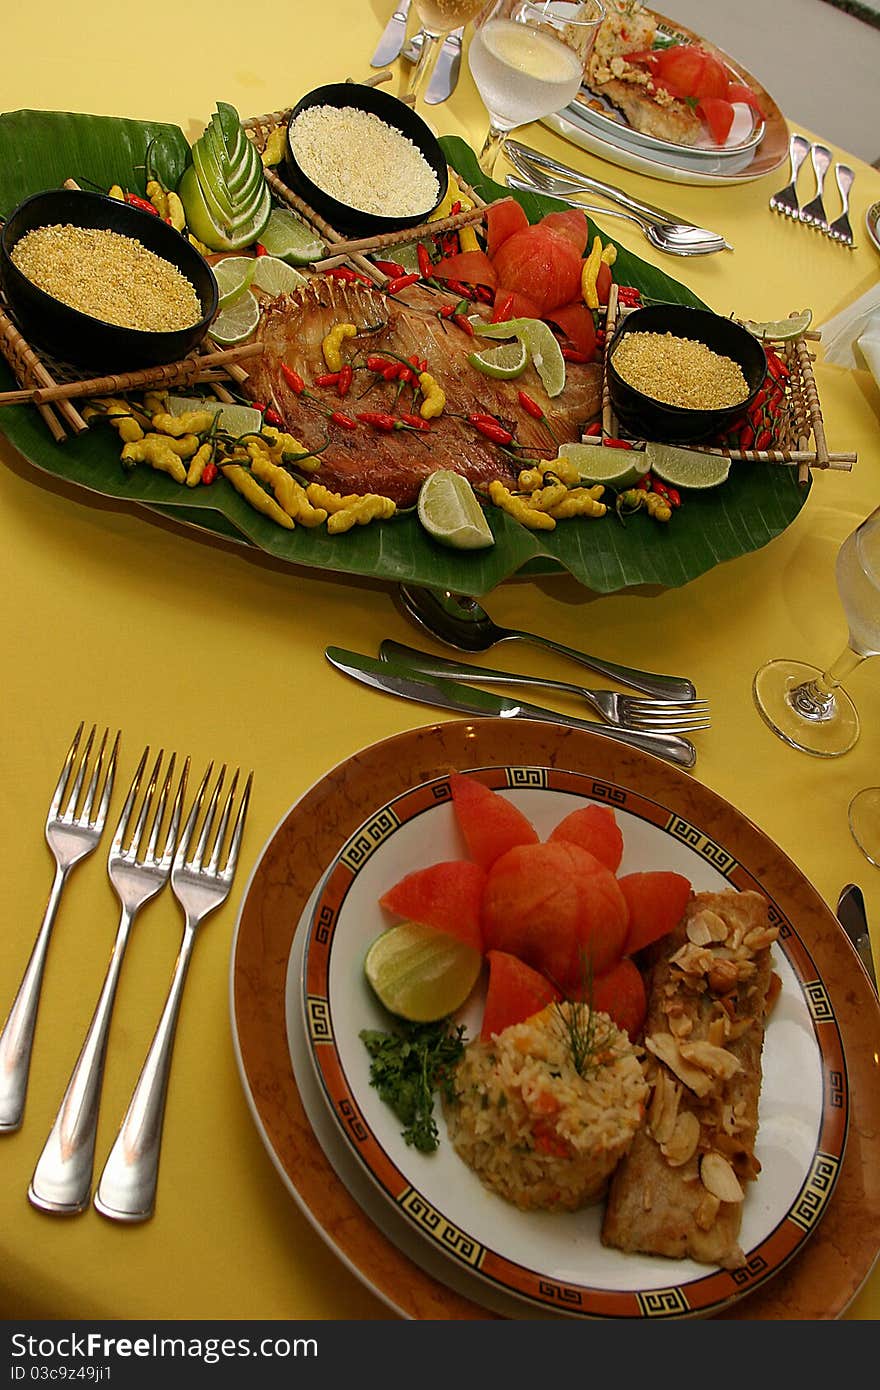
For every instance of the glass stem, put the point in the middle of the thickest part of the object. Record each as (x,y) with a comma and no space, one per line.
(815,699)
(423,68)
(492,147)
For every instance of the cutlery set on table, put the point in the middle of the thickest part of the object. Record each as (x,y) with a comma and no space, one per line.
(394,44)
(148,851)
(812,213)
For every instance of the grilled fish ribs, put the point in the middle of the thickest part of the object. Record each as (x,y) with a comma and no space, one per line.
(679,1190)
(395,464)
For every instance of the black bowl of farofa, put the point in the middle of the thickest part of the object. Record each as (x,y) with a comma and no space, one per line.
(642,414)
(322,189)
(82,338)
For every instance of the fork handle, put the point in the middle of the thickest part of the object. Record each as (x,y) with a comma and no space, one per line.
(446,669)
(649,682)
(127,1189)
(845,178)
(62,1179)
(17,1038)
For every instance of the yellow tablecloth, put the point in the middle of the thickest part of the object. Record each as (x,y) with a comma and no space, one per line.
(187,644)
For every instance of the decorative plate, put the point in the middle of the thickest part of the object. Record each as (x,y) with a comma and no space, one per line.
(830,1266)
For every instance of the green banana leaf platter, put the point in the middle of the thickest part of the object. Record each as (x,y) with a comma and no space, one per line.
(40,149)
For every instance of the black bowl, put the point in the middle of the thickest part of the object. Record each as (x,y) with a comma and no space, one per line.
(78,338)
(646,418)
(393,112)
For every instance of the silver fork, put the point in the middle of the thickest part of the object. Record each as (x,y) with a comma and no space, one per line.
(813,212)
(626,711)
(72,833)
(840,229)
(127,1189)
(62,1178)
(786,200)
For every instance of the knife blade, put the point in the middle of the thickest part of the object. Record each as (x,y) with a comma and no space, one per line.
(394,36)
(445,75)
(854,919)
(467,699)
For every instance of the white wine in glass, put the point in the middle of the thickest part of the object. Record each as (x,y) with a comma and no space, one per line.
(437,18)
(806,706)
(527,58)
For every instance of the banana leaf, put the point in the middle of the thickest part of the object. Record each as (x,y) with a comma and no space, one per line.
(40,149)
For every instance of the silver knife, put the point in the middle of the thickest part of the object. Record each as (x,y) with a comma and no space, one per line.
(467,699)
(394,37)
(445,75)
(853,918)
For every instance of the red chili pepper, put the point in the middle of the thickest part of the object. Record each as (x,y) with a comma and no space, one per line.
(345,272)
(594,429)
(272,417)
(391,372)
(746,437)
(446,311)
(628,295)
(529,406)
(415,422)
(764,439)
(661,488)
(484,294)
(776,366)
(261,250)
(425,266)
(293,379)
(673,496)
(345,421)
(502,309)
(575,355)
(343,385)
(378,419)
(400,283)
(327,378)
(391,268)
(463,322)
(617,443)
(377,364)
(456,207)
(209,472)
(142,203)
(644,483)
(488,426)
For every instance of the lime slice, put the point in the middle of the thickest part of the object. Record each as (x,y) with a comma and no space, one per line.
(504,362)
(233,275)
(419,973)
(686,467)
(407,256)
(235,419)
(290,239)
(235,324)
(599,463)
(276,276)
(541,345)
(449,511)
(781,329)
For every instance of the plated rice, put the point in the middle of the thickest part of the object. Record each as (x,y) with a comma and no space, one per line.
(531,1126)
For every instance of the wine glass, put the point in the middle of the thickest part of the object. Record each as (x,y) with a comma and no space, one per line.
(864,822)
(437,18)
(527,58)
(806,706)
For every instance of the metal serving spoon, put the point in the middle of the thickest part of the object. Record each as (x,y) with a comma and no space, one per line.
(460,622)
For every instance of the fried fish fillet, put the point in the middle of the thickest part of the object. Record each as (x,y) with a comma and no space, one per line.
(671,120)
(678,1192)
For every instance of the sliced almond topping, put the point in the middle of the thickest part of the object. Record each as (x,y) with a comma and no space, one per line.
(707,1211)
(698,932)
(717,1031)
(760,937)
(665,1125)
(716,1060)
(718,1177)
(709,927)
(681,1025)
(692,959)
(723,976)
(664,1046)
(683,1141)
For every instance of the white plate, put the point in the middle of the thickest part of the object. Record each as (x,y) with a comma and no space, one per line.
(746,134)
(641,163)
(872,223)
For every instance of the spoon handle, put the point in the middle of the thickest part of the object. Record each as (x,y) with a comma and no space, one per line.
(649,682)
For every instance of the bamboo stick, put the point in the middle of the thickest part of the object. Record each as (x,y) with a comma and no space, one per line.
(385,239)
(329,234)
(189,369)
(16,350)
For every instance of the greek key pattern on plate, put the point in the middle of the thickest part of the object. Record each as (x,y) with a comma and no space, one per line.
(561,1294)
(531,777)
(815,1192)
(615,796)
(701,844)
(818,1002)
(319,1019)
(369,838)
(435,1225)
(663,1303)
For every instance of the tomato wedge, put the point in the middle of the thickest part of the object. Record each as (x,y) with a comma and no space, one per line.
(718,115)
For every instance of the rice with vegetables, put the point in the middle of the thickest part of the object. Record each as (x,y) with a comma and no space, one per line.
(544,1111)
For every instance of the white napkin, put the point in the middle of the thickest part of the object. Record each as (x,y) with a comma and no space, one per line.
(852,337)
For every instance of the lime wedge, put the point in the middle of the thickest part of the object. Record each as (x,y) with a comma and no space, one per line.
(599,463)
(503,362)
(779,330)
(276,276)
(449,511)
(290,239)
(686,467)
(234,418)
(541,345)
(233,275)
(235,324)
(419,973)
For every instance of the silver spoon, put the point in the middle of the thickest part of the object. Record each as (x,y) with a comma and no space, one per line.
(460,622)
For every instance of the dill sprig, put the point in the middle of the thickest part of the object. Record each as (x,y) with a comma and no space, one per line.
(587,1033)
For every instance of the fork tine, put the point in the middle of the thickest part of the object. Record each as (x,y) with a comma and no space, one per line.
(183,846)
(101,813)
(196,861)
(93,781)
(221,829)
(638,705)
(122,823)
(159,813)
(668,726)
(70,809)
(238,830)
(61,787)
(134,842)
(176,810)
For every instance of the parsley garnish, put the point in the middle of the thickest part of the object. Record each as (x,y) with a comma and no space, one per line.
(408,1066)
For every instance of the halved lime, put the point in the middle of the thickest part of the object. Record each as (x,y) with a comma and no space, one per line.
(236,323)
(234,275)
(686,467)
(234,418)
(504,362)
(421,974)
(541,345)
(276,276)
(599,463)
(780,330)
(449,511)
(290,239)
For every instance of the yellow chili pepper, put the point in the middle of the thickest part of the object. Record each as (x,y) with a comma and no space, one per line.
(276,147)
(560,470)
(609,254)
(449,197)
(155,401)
(433,397)
(289,494)
(184,445)
(156,452)
(580,501)
(352,510)
(252,493)
(190,422)
(197,464)
(176,213)
(117,193)
(200,246)
(589,274)
(126,426)
(546,499)
(519,508)
(158,197)
(333,342)
(284,448)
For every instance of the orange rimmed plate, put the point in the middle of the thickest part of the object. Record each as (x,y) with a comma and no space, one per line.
(374,1236)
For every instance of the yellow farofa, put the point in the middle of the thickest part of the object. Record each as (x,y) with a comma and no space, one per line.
(530,1126)
(112,277)
(679,371)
